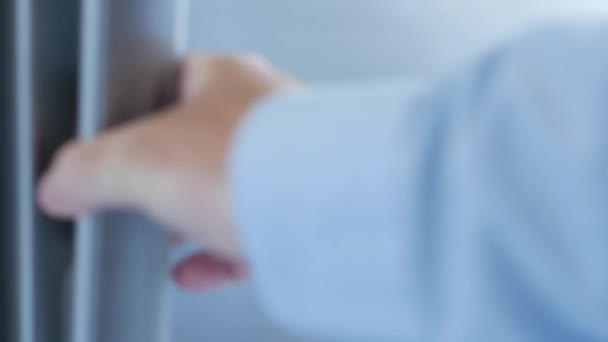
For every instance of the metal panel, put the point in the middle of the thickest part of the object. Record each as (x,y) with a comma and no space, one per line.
(44,47)
(127,68)
(8,252)
(23,169)
(120,264)
(54,77)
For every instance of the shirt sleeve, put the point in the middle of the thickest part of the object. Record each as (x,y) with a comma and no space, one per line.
(471,210)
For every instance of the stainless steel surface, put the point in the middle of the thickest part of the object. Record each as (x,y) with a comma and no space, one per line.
(121,261)
(8,252)
(54,77)
(23,169)
(40,61)
(43,84)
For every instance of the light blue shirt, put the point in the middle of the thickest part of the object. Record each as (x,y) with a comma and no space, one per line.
(472,209)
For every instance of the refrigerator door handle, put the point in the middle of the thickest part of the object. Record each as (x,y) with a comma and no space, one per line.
(128,57)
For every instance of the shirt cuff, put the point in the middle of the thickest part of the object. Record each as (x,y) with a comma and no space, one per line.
(312,182)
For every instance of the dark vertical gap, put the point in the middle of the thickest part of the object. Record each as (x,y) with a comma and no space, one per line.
(7,190)
(55,64)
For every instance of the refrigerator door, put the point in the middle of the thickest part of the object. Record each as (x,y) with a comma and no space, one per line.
(127,68)
(72,68)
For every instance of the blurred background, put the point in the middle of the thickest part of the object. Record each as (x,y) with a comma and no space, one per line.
(336,41)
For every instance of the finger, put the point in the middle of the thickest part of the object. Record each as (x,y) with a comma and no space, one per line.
(199,70)
(193,76)
(108,172)
(204,271)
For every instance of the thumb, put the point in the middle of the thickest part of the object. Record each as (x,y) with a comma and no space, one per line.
(102,174)
(205,271)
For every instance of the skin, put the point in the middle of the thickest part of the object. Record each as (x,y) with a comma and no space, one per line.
(172,165)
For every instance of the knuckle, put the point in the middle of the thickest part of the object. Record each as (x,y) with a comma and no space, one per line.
(252,58)
(195,61)
(223,63)
(195,65)
(72,152)
(228,63)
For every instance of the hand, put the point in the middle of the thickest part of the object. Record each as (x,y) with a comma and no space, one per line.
(172,165)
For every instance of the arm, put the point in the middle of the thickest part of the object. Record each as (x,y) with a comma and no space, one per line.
(475,211)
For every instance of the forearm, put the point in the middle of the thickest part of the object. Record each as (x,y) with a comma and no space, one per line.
(469,211)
